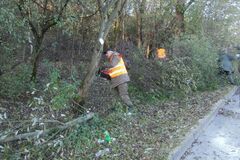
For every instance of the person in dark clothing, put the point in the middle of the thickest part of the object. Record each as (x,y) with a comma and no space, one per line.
(226,67)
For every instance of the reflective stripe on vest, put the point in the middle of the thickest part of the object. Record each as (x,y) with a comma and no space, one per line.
(118,70)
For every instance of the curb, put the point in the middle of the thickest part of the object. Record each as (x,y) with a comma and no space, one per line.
(194,133)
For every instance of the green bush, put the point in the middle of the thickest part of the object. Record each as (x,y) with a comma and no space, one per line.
(203,60)
(192,65)
(177,75)
(58,93)
(163,78)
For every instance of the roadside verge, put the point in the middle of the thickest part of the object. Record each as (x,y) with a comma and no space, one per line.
(194,133)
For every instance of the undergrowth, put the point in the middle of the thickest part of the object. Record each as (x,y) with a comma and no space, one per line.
(157,128)
(15,84)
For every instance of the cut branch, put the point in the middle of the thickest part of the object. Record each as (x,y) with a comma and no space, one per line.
(42,133)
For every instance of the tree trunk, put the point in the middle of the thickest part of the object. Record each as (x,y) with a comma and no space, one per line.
(147,51)
(140,9)
(41,27)
(106,24)
(122,23)
(180,9)
(72,56)
(91,73)
(37,52)
(117,30)
(139,40)
(30,43)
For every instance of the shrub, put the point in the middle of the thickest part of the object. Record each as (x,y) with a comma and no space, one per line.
(163,78)
(191,66)
(203,62)
(58,93)
(55,91)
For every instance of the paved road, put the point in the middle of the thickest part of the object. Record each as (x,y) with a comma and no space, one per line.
(220,140)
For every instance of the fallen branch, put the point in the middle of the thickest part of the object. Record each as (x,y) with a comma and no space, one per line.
(42,133)
(30,121)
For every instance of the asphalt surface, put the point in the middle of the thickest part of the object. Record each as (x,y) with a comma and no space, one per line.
(220,140)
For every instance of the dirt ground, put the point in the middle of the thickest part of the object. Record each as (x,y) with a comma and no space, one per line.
(150,134)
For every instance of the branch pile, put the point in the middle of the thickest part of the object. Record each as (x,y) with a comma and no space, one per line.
(41,133)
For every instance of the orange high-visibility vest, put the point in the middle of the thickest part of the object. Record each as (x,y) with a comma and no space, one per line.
(118,70)
(161,53)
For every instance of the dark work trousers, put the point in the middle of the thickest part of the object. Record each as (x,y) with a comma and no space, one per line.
(229,76)
(122,90)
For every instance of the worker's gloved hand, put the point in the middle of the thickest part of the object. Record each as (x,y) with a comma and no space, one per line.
(103,74)
(98,73)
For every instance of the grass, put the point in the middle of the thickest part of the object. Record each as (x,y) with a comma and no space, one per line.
(159,126)
(150,135)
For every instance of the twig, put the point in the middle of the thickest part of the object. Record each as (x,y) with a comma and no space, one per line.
(39,121)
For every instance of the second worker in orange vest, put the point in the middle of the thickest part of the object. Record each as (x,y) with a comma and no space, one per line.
(119,77)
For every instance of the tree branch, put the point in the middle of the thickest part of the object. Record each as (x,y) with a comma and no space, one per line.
(42,133)
(51,22)
(43,6)
(33,28)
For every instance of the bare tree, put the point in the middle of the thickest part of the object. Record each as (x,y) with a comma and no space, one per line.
(48,14)
(108,13)
(181,7)
(140,8)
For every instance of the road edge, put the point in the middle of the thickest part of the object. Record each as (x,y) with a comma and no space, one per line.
(196,130)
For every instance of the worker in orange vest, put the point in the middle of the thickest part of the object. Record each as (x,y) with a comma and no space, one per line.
(118,75)
(161,53)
